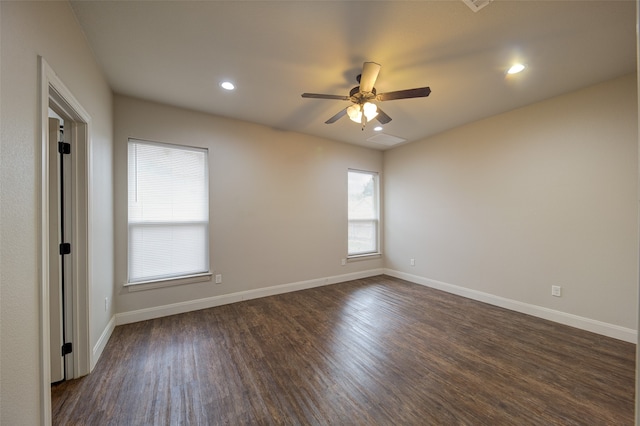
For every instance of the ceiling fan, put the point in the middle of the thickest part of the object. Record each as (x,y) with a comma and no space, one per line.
(363,109)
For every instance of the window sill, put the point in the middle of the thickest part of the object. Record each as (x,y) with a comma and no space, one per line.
(169,282)
(366,256)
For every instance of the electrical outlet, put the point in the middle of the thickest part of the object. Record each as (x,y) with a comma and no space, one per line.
(556,290)
(218,278)
(412,262)
(106,304)
(344,262)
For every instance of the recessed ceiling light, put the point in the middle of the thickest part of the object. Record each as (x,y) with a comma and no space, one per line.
(227,85)
(377,128)
(515,69)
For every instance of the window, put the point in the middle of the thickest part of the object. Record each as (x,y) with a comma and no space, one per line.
(168,211)
(363,213)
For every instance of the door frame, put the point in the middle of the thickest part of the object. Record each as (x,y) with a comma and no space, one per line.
(54,92)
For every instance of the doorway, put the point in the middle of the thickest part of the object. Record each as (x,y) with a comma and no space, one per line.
(65,211)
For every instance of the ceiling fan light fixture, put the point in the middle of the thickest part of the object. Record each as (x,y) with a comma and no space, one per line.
(370,110)
(354,112)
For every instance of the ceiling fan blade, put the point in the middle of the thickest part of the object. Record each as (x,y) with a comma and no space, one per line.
(420,92)
(369,75)
(336,117)
(321,96)
(382,117)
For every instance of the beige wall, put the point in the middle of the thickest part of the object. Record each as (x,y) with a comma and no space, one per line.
(29,29)
(543,195)
(278,201)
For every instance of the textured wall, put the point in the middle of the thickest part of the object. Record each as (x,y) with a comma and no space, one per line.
(539,196)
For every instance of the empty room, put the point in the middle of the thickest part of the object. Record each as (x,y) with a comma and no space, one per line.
(319,212)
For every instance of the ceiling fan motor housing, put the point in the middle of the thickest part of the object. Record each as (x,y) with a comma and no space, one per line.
(358,97)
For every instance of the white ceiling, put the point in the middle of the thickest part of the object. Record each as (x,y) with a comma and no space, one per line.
(178,52)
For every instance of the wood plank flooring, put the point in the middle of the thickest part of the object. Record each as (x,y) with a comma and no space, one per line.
(376,351)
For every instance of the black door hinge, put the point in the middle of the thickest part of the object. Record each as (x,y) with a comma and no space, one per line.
(65,248)
(64,148)
(67,348)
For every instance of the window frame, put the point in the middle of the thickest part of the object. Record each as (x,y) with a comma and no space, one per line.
(377,251)
(178,279)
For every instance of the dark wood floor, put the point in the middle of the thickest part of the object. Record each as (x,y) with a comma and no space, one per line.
(377,351)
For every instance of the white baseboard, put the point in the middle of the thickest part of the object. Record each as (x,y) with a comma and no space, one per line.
(102,343)
(210,302)
(595,326)
(599,327)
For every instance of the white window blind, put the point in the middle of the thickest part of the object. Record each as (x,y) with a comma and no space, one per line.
(168,211)
(363,213)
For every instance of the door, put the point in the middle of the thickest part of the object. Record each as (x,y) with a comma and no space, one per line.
(55,284)
(59,260)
